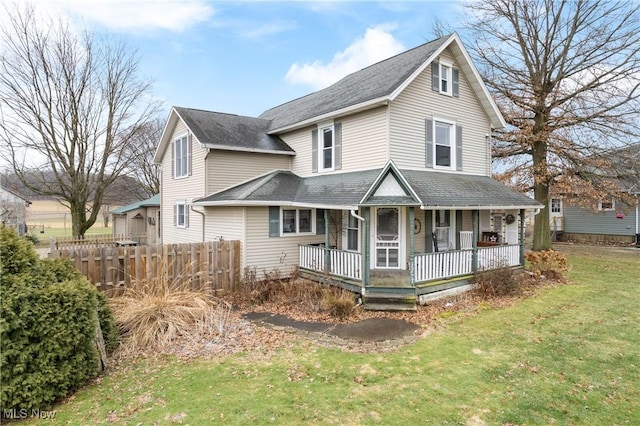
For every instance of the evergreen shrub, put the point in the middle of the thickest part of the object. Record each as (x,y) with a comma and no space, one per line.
(48,318)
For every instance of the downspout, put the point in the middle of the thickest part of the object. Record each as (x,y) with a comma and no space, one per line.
(361,219)
(203,217)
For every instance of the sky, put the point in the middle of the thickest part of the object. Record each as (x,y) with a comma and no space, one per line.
(243,57)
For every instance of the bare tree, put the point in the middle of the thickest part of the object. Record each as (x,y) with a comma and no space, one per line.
(566,76)
(70,104)
(141,152)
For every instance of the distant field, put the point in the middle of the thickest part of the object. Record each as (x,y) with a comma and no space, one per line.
(49,219)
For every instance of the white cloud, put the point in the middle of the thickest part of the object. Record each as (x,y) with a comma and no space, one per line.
(377,44)
(137,15)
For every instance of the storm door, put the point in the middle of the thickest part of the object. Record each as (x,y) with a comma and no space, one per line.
(387,238)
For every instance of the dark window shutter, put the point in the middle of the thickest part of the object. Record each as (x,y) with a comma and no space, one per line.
(314,150)
(320,222)
(428,230)
(189,150)
(459,148)
(175,215)
(435,76)
(458,228)
(186,214)
(455,86)
(337,140)
(173,159)
(274,221)
(428,130)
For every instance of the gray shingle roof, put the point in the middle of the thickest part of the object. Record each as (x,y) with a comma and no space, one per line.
(376,81)
(434,189)
(232,131)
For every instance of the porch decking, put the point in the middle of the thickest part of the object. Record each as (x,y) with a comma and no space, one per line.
(426,272)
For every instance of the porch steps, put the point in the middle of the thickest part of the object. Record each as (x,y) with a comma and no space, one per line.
(389,299)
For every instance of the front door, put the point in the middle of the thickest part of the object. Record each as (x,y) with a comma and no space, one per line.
(388,238)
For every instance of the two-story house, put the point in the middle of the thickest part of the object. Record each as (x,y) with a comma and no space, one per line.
(381,182)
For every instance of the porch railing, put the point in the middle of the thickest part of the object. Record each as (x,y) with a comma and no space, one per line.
(498,256)
(433,266)
(344,263)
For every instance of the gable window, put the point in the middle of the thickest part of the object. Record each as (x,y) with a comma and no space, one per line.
(182,157)
(606,205)
(445,78)
(181,214)
(297,221)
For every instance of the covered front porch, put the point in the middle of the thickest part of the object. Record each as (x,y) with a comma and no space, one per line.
(391,262)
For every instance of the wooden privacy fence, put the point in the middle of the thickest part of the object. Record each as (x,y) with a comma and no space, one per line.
(212,266)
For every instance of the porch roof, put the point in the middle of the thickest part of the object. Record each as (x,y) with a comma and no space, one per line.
(347,190)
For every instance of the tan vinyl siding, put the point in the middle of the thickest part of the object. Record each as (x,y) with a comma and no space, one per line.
(226,223)
(229,168)
(187,188)
(418,102)
(364,143)
(270,254)
(300,142)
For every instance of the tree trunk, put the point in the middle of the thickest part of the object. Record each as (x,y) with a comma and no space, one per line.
(541,229)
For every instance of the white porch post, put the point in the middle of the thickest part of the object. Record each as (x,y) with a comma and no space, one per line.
(475,224)
(412,273)
(366,247)
(327,253)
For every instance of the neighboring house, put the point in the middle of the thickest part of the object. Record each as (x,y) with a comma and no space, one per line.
(138,221)
(381,181)
(612,220)
(13,210)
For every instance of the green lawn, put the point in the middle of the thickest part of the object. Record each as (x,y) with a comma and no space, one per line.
(568,356)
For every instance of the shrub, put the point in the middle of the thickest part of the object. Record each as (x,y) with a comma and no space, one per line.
(501,281)
(17,255)
(48,319)
(338,302)
(550,263)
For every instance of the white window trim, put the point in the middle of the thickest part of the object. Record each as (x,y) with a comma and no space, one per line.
(321,128)
(297,233)
(452,144)
(451,227)
(559,200)
(175,157)
(185,216)
(612,208)
(345,235)
(444,65)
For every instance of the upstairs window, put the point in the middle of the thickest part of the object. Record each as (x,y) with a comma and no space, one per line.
(327,149)
(556,205)
(445,79)
(182,157)
(443,143)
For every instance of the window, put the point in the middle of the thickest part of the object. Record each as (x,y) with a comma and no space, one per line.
(556,205)
(442,229)
(297,221)
(181,215)
(445,79)
(443,144)
(182,157)
(327,149)
(606,205)
(353,224)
